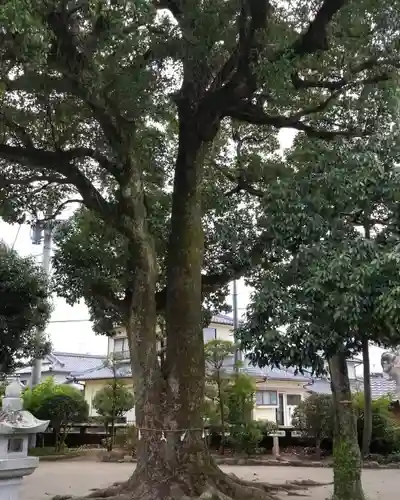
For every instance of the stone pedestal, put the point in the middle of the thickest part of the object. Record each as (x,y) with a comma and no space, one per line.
(16,425)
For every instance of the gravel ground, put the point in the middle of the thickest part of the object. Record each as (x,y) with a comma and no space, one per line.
(79,477)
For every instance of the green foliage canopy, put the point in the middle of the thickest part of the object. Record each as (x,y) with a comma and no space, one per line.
(60,403)
(24,306)
(335,277)
(76,120)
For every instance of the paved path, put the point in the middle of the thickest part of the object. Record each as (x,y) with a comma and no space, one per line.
(78,477)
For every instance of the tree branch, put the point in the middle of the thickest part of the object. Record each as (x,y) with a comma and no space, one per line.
(60,162)
(107,297)
(214,281)
(25,181)
(339,83)
(251,113)
(20,131)
(94,154)
(315,38)
(72,62)
(33,83)
(57,211)
(236,76)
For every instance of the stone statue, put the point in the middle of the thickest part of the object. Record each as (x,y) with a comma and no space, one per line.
(391,365)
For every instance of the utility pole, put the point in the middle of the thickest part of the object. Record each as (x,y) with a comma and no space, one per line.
(40,227)
(235,324)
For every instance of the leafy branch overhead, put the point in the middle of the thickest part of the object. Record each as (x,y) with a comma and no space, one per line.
(82,92)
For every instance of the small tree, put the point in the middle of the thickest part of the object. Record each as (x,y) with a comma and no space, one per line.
(241,400)
(314,418)
(24,306)
(112,402)
(61,404)
(385,437)
(216,352)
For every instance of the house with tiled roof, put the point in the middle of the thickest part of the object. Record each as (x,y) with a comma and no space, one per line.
(381,384)
(60,365)
(278,391)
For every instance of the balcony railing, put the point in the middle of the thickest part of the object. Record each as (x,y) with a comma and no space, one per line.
(121,355)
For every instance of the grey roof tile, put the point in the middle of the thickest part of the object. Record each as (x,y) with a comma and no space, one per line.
(67,362)
(101,371)
(380,386)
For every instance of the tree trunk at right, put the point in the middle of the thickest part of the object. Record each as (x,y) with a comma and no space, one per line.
(222,413)
(318,449)
(367,429)
(346,452)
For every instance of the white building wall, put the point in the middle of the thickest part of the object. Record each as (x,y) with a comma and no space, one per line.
(214,330)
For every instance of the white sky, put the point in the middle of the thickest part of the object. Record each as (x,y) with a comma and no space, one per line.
(69,328)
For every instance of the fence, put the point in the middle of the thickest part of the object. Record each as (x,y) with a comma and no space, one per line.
(92,434)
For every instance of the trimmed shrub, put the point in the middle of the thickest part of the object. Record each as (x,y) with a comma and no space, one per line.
(314,419)
(61,404)
(247,437)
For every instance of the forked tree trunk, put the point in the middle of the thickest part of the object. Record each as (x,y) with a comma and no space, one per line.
(346,452)
(173,461)
(367,430)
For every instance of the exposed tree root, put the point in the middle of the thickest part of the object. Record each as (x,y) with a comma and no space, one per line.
(209,483)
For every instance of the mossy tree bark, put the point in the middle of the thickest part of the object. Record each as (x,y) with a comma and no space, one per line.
(170,396)
(346,451)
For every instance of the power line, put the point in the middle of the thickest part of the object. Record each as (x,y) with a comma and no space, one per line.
(70,321)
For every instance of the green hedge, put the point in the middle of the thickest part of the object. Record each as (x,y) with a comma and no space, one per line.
(385,430)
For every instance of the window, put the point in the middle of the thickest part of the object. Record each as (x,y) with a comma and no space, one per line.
(15,445)
(266,398)
(209,334)
(293,399)
(121,348)
(119,345)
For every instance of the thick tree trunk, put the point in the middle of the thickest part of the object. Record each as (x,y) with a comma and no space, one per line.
(346,452)
(367,430)
(173,460)
(185,364)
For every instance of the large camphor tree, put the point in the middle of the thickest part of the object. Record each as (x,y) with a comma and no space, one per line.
(134,108)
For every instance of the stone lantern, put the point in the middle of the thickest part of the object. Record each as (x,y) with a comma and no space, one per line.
(16,425)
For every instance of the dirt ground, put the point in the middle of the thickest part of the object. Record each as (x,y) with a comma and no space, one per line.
(79,477)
